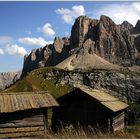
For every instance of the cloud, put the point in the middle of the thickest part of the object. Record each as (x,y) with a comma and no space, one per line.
(15,50)
(5,39)
(34,41)
(47,30)
(120,12)
(1,51)
(69,15)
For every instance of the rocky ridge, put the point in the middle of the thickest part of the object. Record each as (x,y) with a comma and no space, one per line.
(8,78)
(117,44)
(136,34)
(121,84)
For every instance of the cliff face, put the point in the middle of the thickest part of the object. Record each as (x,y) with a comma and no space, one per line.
(117,44)
(8,78)
(136,34)
(50,55)
(108,40)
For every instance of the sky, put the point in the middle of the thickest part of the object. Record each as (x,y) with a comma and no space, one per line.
(28,25)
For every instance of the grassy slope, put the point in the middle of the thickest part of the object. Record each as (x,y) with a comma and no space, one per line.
(35,81)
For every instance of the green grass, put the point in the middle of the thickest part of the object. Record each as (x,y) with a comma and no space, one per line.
(35,81)
(21,85)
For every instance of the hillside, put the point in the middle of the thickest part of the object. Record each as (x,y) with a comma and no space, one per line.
(35,81)
(87,62)
(58,81)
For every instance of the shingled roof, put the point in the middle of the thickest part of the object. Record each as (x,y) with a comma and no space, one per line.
(12,102)
(112,103)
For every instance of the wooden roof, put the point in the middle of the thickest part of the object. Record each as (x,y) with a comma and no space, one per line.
(105,99)
(11,102)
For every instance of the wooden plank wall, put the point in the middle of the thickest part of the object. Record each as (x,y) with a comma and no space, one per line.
(22,132)
(36,120)
(118,121)
(28,123)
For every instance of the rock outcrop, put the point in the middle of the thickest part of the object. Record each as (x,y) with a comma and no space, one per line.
(136,29)
(117,44)
(136,34)
(126,25)
(122,84)
(8,78)
(50,55)
(110,41)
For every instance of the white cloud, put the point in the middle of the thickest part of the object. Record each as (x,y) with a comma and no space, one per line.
(120,12)
(5,39)
(1,51)
(34,41)
(47,30)
(15,50)
(69,15)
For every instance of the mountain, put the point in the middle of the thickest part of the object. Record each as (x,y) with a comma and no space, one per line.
(8,78)
(126,25)
(136,33)
(100,40)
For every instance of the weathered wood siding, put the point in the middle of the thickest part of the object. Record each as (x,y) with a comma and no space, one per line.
(80,108)
(118,121)
(21,122)
(77,110)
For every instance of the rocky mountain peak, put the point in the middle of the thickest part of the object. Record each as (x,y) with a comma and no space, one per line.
(137,27)
(104,38)
(58,44)
(106,19)
(126,25)
(112,42)
(80,30)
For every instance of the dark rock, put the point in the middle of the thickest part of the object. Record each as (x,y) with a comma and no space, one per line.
(110,41)
(115,43)
(136,29)
(126,25)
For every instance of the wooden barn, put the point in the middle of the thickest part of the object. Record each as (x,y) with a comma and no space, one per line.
(89,107)
(24,113)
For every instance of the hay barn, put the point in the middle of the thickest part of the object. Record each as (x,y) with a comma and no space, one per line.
(24,113)
(89,107)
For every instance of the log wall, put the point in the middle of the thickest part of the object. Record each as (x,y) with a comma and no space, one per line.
(118,121)
(21,123)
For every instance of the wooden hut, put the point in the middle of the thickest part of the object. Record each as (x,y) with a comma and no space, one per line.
(24,112)
(89,107)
